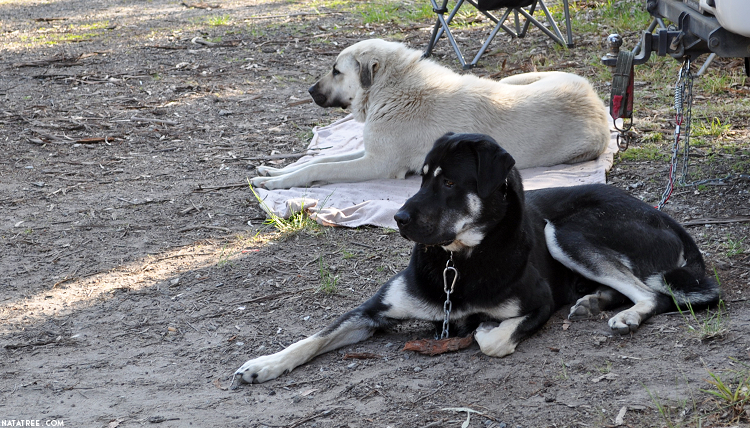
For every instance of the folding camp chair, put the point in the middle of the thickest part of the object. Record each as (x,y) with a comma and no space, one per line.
(526,8)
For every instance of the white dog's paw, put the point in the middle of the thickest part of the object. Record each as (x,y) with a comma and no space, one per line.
(259,181)
(625,322)
(587,306)
(495,339)
(262,369)
(486,326)
(268,171)
(262,170)
(268,183)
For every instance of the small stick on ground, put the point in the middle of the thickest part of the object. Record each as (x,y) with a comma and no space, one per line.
(187,229)
(160,121)
(701,221)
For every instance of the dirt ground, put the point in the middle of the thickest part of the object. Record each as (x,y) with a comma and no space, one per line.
(136,274)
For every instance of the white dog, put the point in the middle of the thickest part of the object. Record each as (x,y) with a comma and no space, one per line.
(407,102)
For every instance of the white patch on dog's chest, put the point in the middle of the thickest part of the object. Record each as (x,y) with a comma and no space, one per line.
(510,308)
(402,305)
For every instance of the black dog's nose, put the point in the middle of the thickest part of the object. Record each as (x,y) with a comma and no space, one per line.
(402,218)
(319,98)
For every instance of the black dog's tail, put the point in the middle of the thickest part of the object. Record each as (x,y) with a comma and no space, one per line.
(691,285)
(692,289)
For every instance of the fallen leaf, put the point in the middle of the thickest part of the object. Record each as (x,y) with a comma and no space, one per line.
(441,346)
(217,383)
(608,376)
(620,419)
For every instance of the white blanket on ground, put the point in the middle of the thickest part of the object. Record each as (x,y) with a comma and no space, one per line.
(375,202)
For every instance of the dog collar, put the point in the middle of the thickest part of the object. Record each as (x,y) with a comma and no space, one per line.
(448,305)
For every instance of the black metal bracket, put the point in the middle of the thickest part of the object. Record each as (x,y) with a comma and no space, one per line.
(691,35)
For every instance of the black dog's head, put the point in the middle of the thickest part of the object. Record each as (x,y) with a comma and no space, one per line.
(465,181)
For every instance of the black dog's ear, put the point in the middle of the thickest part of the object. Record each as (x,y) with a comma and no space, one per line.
(445,139)
(494,164)
(369,64)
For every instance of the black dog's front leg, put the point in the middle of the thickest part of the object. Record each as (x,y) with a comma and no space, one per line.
(352,327)
(501,340)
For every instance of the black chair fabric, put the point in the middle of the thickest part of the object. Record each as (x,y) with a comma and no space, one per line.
(499,4)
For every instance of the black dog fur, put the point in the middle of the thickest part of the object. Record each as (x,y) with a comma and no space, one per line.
(519,256)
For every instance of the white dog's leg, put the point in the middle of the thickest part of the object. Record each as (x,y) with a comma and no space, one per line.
(629,320)
(274,172)
(356,170)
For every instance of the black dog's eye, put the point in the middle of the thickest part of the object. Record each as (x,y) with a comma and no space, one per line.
(448,183)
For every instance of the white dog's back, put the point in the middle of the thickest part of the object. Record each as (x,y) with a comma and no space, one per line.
(543,119)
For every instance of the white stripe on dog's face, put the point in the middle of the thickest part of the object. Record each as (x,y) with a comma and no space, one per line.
(425,169)
(438,170)
(475,204)
(468,235)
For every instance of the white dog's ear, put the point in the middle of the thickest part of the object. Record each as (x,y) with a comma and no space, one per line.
(369,64)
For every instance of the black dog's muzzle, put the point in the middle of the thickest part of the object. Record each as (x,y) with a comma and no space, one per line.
(319,98)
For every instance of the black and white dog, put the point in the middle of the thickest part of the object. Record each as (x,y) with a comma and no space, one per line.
(519,257)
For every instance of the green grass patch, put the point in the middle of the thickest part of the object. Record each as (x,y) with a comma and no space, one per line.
(287,227)
(734,247)
(671,415)
(713,128)
(719,81)
(645,152)
(714,323)
(218,20)
(732,396)
(328,279)
(99,25)
(399,12)
(622,15)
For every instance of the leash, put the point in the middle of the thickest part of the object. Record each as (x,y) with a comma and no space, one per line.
(683,103)
(448,305)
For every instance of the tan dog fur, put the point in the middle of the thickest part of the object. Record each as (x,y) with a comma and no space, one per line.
(407,102)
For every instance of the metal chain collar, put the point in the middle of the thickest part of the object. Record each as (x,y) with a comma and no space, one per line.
(683,103)
(448,305)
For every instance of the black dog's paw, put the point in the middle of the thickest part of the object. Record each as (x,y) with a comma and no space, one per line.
(586,307)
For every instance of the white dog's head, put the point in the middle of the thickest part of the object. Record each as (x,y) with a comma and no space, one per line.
(356,69)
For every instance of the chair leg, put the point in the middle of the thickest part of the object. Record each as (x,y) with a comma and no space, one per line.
(556,35)
(441,26)
(485,45)
(437,29)
(552,23)
(568,29)
(522,32)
